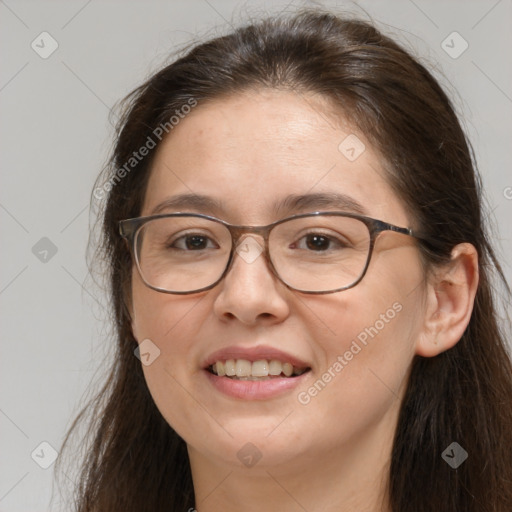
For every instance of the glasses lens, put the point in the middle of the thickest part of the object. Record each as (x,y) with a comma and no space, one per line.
(182,254)
(320,252)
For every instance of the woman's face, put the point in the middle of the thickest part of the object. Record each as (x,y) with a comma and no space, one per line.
(249,153)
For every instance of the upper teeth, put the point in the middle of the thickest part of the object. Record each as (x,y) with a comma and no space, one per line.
(260,368)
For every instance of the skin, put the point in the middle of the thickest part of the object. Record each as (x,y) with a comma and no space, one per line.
(333,453)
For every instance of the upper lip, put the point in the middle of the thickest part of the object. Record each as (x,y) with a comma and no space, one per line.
(253,354)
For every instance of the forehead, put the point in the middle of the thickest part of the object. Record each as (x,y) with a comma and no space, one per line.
(251,151)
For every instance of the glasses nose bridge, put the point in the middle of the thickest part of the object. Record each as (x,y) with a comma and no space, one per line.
(237,232)
(237,237)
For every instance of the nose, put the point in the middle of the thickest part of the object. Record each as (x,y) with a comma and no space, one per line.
(250,292)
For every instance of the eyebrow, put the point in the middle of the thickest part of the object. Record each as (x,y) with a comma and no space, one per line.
(290,205)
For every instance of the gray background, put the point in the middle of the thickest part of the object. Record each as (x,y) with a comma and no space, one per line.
(56,136)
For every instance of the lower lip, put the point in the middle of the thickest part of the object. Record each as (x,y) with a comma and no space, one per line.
(254,389)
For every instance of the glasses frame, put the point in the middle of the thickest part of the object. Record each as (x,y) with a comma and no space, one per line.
(129,229)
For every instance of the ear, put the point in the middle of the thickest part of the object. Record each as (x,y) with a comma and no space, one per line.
(450,296)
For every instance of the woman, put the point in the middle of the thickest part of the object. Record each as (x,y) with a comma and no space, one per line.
(299,263)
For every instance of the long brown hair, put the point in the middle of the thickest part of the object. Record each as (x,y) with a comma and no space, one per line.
(134,460)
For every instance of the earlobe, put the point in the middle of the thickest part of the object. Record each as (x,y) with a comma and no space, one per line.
(450,297)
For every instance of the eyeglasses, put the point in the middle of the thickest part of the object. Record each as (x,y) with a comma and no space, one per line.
(319,252)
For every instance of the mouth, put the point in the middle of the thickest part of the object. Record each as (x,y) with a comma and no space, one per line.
(259,373)
(259,370)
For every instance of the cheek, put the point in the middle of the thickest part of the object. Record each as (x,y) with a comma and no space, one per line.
(159,316)
(170,323)
(382,313)
(368,347)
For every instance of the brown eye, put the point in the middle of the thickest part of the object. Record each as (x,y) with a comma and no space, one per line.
(194,242)
(318,242)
